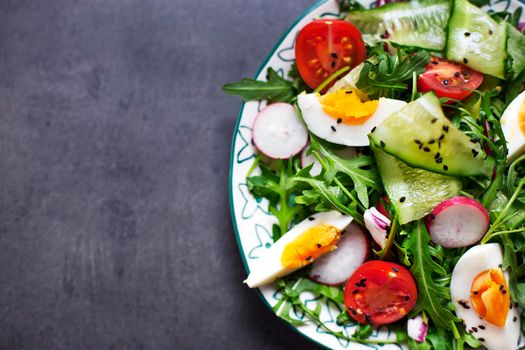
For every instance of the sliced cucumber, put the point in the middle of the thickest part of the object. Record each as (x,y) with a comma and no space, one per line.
(413,192)
(420,135)
(476,40)
(515,51)
(419,23)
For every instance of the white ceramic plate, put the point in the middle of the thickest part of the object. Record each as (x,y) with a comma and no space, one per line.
(251,219)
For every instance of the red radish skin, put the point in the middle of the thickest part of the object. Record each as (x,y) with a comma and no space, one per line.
(377,224)
(334,268)
(458,222)
(278,132)
(379,206)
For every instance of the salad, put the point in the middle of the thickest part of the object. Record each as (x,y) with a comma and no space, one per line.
(392,160)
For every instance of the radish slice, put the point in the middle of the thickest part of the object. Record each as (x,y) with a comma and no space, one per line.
(458,222)
(380,207)
(336,267)
(377,224)
(417,328)
(346,153)
(278,132)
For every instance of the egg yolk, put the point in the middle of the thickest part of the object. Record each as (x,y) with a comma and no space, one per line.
(522,118)
(347,106)
(490,296)
(310,245)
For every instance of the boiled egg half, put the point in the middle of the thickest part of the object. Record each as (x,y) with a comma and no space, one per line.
(300,246)
(480,293)
(513,126)
(345,116)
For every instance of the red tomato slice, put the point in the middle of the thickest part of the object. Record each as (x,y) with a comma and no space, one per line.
(380,292)
(449,79)
(324,46)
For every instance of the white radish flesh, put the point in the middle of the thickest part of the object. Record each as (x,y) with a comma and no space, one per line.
(458,222)
(417,328)
(346,153)
(377,224)
(278,132)
(336,267)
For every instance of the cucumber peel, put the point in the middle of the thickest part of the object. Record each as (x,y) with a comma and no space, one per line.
(419,23)
(413,192)
(420,135)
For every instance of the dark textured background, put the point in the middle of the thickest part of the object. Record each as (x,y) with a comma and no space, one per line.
(114,147)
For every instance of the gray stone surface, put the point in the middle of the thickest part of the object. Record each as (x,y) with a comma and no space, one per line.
(114,147)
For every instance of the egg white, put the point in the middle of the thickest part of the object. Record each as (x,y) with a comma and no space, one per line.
(268,267)
(511,129)
(476,260)
(323,125)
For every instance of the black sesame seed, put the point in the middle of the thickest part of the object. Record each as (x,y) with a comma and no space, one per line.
(319,245)
(475,292)
(333,64)
(434,62)
(433,120)
(431,141)
(445,167)
(333,128)
(500,266)
(501,287)
(395,269)
(420,146)
(432,216)
(456,75)
(514,319)
(402,199)
(438,155)
(474,329)
(311,218)
(464,304)
(481,339)
(373,129)
(417,142)
(491,32)
(334,55)
(426,149)
(308,258)
(348,92)
(339,120)
(382,143)
(441,137)
(406,298)
(445,82)
(439,160)
(503,291)
(481,326)
(355,291)
(465,61)
(467,34)
(445,128)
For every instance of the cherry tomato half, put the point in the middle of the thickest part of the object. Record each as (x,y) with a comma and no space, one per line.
(380,292)
(324,46)
(449,79)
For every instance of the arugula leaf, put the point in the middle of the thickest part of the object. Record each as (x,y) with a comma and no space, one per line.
(389,75)
(350,5)
(279,189)
(298,82)
(276,89)
(515,88)
(433,297)
(361,170)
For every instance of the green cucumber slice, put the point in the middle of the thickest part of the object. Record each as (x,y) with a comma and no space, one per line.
(476,40)
(420,135)
(413,192)
(417,23)
(515,51)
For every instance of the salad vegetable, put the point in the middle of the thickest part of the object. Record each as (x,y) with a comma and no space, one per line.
(393,159)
